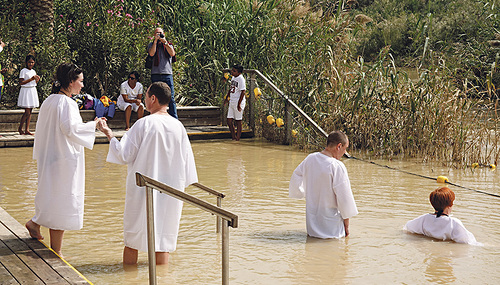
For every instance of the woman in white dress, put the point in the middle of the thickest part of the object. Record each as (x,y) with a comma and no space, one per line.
(28,96)
(60,139)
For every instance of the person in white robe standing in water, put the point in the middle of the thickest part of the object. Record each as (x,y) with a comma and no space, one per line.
(60,139)
(157,146)
(322,179)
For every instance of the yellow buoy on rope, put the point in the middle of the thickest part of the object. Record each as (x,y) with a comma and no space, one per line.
(442,179)
(475,165)
(279,122)
(257,92)
(227,75)
(270,119)
(493,167)
(294,133)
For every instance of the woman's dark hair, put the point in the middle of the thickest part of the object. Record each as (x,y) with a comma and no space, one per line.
(65,74)
(28,57)
(136,75)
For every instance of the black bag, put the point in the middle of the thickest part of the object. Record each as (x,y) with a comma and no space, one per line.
(149,62)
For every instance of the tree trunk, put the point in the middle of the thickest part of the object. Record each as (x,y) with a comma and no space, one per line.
(43,12)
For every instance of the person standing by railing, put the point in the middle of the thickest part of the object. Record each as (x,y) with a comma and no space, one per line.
(156,146)
(322,179)
(236,99)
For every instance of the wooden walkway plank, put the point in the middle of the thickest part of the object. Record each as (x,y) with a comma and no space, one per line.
(5,277)
(35,256)
(12,263)
(18,247)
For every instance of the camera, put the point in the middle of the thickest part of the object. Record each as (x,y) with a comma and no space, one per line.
(162,36)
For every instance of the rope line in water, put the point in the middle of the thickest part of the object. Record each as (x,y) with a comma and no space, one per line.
(422,176)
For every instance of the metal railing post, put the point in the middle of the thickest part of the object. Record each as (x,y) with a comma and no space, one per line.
(225,252)
(228,219)
(251,99)
(151,236)
(219,220)
(288,123)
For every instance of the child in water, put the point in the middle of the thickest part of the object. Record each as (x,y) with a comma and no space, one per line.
(440,225)
(28,96)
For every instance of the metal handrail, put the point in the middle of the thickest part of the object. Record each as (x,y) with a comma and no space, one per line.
(219,196)
(228,220)
(288,105)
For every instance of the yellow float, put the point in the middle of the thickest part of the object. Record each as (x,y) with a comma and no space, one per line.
(279,122)
(227,75)
(257,92)
(442,179)
(270,119)
(294,133)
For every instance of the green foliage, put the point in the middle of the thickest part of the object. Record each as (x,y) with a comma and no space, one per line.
(458,30)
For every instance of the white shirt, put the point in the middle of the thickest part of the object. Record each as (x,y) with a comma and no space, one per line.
(237,85)
(60,138)
(324,182)
(442,228)
(129,91)
(156,146)
(27,74)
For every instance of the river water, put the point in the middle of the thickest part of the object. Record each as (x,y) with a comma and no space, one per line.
(270,246)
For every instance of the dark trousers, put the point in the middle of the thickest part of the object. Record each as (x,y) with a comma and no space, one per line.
(169,79)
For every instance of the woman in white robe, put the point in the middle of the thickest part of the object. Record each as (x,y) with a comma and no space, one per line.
(322,179)
(156,146)
(60,139)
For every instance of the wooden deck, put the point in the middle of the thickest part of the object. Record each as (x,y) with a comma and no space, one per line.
(24,260)
(201,123)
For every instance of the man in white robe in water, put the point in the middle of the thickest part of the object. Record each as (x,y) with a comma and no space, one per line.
(156,146)
(322,179)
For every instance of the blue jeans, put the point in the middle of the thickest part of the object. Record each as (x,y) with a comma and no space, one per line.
(169,79)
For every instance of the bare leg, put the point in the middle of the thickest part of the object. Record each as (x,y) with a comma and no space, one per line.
(34,229)
(128,112)
(231,127)
(56,239)
(162,258)
(129,256)
(23,120)
(140,112)
(28,112)
(238,130)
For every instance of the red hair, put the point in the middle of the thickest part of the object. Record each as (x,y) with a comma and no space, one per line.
(442,198)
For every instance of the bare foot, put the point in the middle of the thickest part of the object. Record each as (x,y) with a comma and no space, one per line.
(28,133)
(20,132)
(34,229)
(127,129)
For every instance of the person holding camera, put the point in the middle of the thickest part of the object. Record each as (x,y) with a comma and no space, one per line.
(163,54)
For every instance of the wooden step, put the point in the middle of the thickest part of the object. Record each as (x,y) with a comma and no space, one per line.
(189,116)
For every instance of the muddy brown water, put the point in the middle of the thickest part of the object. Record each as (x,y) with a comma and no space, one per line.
(270,246)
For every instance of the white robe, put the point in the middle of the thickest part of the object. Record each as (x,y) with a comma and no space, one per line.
(60,139)
(156,146)
(324,182)
(442,228)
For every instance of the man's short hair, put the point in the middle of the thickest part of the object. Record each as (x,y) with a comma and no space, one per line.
(336,137)
(441,198)
(238,67)
(161,91)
